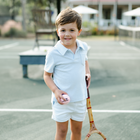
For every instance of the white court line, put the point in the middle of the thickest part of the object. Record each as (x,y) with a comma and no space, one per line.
(129,46)
(9,57)
(50,110)
(117,56)
(114,58)
(9,46)
(25,110)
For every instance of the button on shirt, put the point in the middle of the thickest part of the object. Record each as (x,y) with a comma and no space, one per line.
(68,70)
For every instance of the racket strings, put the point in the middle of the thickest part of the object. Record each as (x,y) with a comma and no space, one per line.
(95,136)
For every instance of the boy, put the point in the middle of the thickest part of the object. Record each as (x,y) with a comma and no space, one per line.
(67,61)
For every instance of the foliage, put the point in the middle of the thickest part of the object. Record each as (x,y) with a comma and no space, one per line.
(12,4)
(16,4)
(95,31)
(101,32)
(111,32)
(86,24)
(14,33)
(41,3)
(30,28)
(92,29)
(14,9)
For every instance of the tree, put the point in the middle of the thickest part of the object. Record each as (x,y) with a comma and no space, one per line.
(44,3)
(16,7)
(13,6)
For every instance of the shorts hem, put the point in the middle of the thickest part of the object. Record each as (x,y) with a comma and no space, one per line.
(60,120)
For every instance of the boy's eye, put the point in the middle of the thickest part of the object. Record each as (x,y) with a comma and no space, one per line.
(62,30)
(71,30)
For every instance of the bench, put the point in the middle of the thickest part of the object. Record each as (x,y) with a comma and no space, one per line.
(33,57)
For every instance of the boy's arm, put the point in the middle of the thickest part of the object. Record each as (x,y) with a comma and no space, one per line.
(49,82)
(87,72)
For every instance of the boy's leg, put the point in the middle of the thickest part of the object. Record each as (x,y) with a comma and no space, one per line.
(61,130)
(76,128)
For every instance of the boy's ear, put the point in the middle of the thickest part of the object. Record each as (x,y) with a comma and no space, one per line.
(57,32)
(79,32)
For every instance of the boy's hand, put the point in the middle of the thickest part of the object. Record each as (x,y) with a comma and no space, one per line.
(58,95)
(88,77)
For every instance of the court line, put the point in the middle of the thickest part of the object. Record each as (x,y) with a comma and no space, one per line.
(129,46)
(9,46)
(9,57)
(50,110)
(118,56)
(114,58)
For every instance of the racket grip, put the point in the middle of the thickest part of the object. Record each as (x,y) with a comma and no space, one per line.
(87,88)
(86,80)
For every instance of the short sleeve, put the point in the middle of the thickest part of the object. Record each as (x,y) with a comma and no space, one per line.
(86,49)
(49,63)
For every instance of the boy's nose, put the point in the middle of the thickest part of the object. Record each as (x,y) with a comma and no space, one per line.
(67,33)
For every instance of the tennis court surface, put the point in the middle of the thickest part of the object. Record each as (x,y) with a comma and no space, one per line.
(25,108)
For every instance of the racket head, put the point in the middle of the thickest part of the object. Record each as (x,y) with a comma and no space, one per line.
(95,135)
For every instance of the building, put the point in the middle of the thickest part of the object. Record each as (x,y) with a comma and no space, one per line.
(110,11)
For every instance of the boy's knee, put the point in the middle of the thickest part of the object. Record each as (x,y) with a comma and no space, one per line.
(63,132)
(62,129)
(76,130)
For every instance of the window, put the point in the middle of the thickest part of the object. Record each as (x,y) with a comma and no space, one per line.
(91,16)
(119,13)
(106,13)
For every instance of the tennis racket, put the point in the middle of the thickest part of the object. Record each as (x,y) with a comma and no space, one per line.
(94,133)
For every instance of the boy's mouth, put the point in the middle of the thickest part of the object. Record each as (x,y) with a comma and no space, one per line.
(67,38)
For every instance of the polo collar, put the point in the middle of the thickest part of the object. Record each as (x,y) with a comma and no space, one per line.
(63,49)
(79,44)
(60,48)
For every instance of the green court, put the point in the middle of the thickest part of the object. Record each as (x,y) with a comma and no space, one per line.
(25,103)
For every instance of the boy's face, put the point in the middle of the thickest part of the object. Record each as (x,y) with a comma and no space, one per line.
(68,34)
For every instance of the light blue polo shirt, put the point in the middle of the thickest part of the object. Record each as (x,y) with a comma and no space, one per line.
(68,70)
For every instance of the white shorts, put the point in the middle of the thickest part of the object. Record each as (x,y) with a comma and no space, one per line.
(73,110)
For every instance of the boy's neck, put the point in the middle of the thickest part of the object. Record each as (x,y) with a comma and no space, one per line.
(72,48)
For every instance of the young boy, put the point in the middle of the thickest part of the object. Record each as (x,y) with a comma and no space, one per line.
(67,61)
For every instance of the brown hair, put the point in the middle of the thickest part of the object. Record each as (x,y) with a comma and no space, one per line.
(68,16)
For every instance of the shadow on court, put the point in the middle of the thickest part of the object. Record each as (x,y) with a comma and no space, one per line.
(114,93)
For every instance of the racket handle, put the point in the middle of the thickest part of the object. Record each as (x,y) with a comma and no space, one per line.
(86,80)
(87,88)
